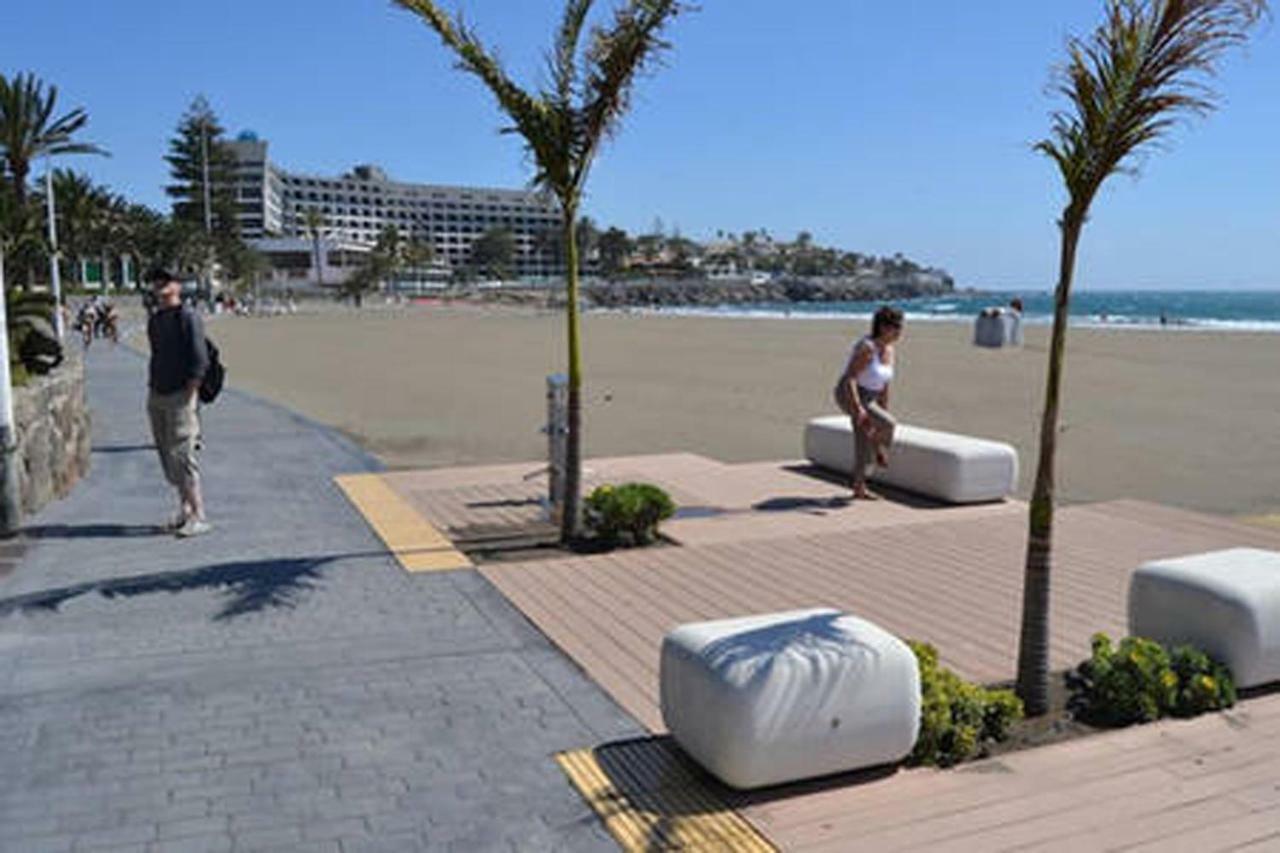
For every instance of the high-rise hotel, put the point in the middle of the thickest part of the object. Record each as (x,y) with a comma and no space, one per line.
(273,203)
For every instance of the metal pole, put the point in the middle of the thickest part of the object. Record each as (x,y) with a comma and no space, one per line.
(10,495)
(55,276)
(557,432)
(204,157)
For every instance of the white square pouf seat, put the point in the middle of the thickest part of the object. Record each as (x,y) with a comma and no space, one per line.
(954,468)
(1226,603)
(768,699)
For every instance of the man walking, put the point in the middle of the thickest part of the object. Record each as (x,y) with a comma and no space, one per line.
(179,360)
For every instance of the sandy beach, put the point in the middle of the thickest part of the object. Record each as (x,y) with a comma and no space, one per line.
(1189,419)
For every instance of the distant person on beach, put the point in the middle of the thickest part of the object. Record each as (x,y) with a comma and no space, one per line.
(863,394)
(1016,304)
(179,358)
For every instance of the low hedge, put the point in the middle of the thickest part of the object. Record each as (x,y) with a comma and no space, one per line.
(958,719)
(631,510)
(1139,681)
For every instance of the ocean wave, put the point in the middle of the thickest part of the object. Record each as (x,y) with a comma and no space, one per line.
(1113,322)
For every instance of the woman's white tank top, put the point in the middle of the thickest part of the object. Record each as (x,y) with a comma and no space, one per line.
(876,375)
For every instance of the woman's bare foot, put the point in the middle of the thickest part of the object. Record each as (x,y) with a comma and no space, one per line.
(860,493)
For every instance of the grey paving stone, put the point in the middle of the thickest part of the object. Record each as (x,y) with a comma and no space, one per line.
(280,682)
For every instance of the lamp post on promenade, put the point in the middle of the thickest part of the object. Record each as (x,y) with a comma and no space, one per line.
(10,498)
(55,275)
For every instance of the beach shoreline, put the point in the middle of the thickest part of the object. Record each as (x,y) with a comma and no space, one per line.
(1180,419)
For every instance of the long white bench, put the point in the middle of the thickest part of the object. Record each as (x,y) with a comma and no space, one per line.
(950,467)
(763,700)
(1226,603)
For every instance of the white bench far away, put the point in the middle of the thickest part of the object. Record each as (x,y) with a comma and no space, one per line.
(955,468)
(1226,603)
(763,700)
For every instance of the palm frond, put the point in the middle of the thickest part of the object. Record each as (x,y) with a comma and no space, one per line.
(564,60)
(532,116)
(616,55)
(1144,68)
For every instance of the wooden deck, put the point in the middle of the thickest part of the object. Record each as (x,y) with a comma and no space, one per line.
(718,502)
(1212,783)
(956,583)
(1206,784)
(768,537)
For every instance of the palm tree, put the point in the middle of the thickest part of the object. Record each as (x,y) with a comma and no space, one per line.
(1127,84)
(313,221)
(563,129)
(81,209)
(28,129)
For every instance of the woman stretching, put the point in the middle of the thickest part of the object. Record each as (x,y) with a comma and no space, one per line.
(863,394)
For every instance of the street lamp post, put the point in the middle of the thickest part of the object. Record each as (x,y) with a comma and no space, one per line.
(55,275)
(10,497)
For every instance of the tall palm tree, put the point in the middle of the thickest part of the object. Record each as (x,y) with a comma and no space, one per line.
(563,128)
(1127,84)
(28,129)
(313,220)
(81,208)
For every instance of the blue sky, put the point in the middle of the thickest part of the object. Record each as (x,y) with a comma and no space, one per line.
(881,127)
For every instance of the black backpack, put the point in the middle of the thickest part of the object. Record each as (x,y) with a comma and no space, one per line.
(214,375)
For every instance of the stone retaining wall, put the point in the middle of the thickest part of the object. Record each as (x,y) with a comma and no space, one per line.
(51,416)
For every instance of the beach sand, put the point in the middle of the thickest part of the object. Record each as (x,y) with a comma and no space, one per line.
(1189,419)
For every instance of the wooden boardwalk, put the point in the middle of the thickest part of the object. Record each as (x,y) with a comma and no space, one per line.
(955,583)
(1212,783)
(768,537)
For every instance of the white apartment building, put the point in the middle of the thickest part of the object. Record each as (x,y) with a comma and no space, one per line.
(356,206)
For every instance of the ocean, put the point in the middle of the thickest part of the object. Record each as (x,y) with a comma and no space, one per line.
(1182,310)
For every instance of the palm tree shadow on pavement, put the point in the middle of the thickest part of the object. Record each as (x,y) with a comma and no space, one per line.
(250,586)
(91,531)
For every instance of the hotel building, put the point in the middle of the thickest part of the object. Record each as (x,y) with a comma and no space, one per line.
(273,203)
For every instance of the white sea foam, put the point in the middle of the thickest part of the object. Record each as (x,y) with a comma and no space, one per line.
(1113,322)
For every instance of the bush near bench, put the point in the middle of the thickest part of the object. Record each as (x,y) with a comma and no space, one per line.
(958,719)
(631,509)
(1139,681)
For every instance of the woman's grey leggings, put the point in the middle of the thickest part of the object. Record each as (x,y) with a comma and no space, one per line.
(864,446)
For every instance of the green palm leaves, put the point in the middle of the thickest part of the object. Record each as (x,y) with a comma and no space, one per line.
(28,128)
(563,128)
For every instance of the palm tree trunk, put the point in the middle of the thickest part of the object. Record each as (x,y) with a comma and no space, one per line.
(569,523)
(1033,646)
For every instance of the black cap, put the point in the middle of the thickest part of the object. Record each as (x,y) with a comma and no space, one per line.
(160,275)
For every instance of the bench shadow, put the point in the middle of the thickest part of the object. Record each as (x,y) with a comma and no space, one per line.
(123,448)
(249,586)
(889,493)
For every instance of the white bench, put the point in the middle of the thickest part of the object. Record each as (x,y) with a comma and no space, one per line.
(954,468)
(1226,603)
(763,700)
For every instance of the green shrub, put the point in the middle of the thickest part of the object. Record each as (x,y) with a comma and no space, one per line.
(33,343)
(634,509)
(1140,680)
(958,719)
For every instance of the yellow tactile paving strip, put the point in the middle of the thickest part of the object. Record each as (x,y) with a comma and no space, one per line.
(415,542)
(651,797)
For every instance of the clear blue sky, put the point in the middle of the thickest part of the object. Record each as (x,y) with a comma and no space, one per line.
(880,127)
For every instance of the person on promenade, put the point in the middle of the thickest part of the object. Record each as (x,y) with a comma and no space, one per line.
(179,358)
(863,394)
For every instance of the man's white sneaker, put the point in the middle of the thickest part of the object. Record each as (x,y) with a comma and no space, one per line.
(193,527)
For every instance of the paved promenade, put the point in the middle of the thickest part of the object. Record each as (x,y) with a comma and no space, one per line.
(277,685)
